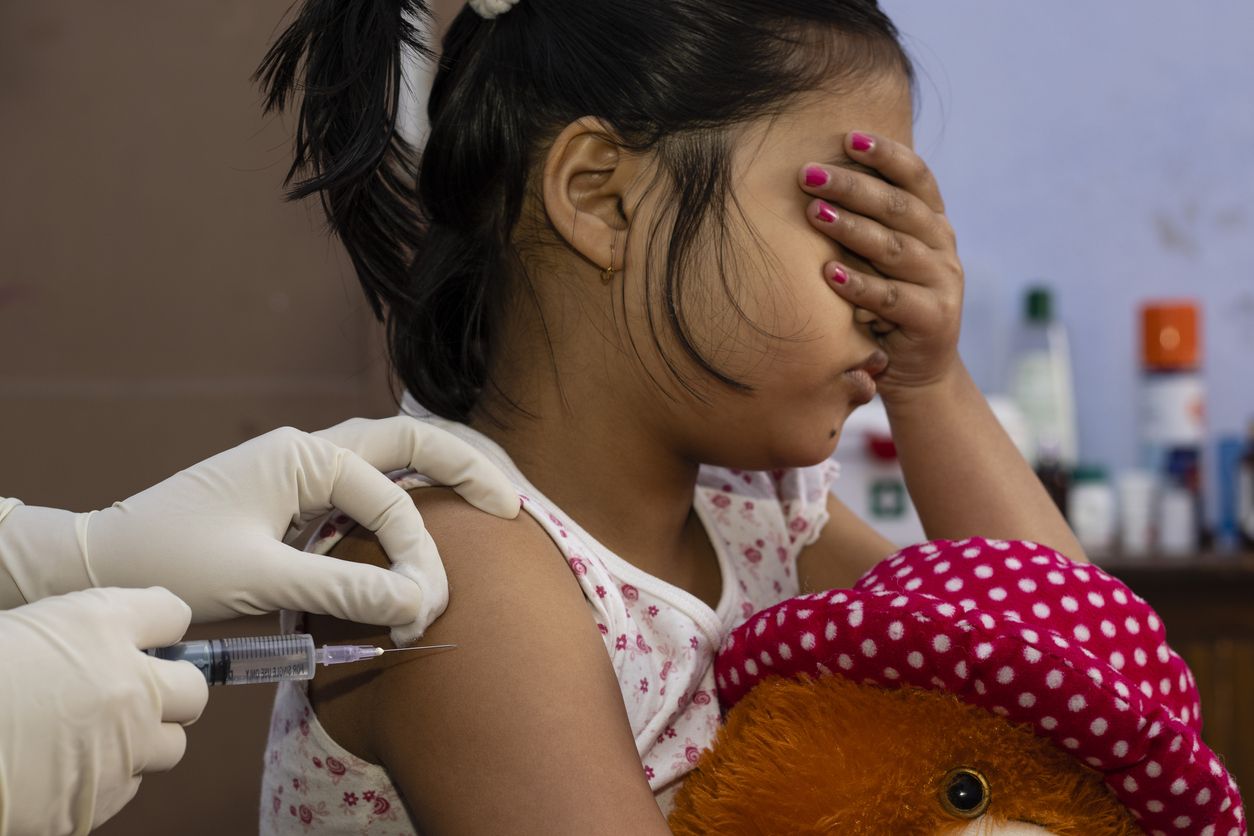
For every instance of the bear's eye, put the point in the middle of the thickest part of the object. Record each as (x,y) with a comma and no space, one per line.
(964,793)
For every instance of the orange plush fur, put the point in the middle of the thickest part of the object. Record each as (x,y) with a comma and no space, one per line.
(826,755)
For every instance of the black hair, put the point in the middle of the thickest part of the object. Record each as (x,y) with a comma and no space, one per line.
(430,235)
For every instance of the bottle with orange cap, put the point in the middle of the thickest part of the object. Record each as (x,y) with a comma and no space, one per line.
(1173,418)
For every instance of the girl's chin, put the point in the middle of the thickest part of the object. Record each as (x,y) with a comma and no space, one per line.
(802,440)
(822,448)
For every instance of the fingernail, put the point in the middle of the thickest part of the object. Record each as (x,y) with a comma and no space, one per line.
(860,141)
(839,276)
(816,176)
(826,214)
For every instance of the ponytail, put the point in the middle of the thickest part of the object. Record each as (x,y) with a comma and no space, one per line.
(344,56)
(424,267)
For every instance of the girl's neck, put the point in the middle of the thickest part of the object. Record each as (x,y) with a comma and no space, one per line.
(608,470)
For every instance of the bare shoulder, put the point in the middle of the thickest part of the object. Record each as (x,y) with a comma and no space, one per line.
(484,557)
(520,725)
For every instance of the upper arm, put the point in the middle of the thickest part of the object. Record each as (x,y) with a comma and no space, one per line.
(522,727)
(844,551)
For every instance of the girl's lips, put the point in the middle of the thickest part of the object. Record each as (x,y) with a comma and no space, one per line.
(863,384)
(862,376)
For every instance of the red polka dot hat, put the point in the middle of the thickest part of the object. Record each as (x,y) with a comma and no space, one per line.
(1019,630)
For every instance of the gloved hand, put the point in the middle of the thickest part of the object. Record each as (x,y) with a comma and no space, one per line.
(83,713)
(212,534)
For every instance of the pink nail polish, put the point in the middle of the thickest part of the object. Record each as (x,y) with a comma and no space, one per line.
(816,176)
(860,141)
(839,276)
(826,214)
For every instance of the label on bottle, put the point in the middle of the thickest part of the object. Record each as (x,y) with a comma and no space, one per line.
(887,500)
(1035,388)
(1173,410)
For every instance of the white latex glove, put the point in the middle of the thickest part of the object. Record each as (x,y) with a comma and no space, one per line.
(83,712)
(212,534)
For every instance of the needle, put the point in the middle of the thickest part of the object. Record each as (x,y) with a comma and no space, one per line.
(339,654)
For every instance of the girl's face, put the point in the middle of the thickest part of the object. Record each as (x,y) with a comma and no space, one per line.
(805,340)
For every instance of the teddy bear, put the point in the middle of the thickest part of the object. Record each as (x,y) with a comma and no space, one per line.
(960,687)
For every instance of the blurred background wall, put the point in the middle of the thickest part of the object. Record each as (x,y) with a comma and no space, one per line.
(159,302)
(1108,150)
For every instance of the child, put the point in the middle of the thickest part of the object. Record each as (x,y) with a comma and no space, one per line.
(657,253)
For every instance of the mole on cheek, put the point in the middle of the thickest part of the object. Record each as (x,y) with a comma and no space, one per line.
(831,434)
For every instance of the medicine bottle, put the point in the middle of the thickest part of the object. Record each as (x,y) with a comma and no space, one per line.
(1173,400)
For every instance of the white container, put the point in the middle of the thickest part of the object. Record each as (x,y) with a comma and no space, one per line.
(1091,511)
(1177,523)
(1137,491)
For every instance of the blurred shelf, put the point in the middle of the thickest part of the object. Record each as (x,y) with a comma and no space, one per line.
(1204,568)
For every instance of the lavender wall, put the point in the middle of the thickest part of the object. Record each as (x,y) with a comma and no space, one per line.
(1107,147)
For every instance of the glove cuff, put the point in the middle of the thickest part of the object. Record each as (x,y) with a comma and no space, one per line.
(40,553)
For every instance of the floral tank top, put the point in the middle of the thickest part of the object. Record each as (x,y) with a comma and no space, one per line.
(660,639)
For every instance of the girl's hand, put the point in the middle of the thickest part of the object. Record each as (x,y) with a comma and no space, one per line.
(901,268)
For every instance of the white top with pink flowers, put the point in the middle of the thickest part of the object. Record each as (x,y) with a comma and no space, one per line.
(660,639)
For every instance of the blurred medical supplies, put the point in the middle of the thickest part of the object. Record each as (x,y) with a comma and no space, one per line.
(1040,381)
(1245,492)
(1177,522)
(1091,510)
(1173,415)
(1229,451)
(1137,491)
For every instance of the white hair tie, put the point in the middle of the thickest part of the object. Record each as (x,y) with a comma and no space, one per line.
(488,9)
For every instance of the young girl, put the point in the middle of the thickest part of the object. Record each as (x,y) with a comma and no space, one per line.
(657,252)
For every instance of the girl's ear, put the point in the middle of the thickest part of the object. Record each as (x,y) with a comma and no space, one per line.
(586,185)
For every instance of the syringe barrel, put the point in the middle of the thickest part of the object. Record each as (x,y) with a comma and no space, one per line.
(246,661)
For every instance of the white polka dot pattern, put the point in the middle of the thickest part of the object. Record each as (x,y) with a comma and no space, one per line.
(1019,630)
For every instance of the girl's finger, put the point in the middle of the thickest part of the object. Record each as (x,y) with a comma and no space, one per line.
(890,251)
(899,303)
(873,197)
(896,162)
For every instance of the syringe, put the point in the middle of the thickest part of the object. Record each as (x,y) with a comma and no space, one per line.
(257,659)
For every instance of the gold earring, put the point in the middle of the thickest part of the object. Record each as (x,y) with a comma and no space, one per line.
(607,275)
